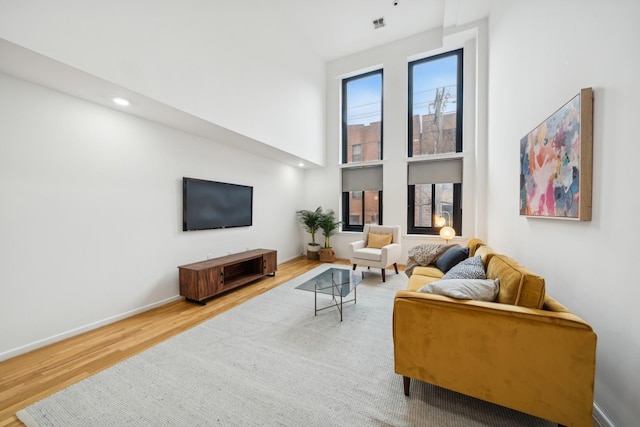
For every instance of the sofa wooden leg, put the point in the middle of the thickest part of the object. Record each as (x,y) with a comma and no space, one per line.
(407,383)
(383,275)
(395,265)
(354,266)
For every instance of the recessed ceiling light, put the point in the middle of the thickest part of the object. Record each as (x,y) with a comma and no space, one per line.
(121,101)
(301,164)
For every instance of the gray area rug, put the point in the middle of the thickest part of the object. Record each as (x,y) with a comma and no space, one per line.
(271,362)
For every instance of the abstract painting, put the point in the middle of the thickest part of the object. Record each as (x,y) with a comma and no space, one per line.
(556,163)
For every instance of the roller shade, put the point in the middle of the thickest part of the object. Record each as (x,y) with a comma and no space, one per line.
(362,179)
(436,172)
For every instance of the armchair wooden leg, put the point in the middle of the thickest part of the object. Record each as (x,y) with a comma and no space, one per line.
(383,275)
(407,383)
(395,265)
(354,266)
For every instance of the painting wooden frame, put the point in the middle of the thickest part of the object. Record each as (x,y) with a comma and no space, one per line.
(556,163)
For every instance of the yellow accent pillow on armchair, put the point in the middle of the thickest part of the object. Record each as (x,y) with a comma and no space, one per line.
(377,241)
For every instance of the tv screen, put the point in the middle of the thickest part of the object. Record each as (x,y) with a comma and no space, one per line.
(210,204)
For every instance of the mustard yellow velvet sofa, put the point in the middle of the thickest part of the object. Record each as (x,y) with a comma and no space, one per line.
(524,351)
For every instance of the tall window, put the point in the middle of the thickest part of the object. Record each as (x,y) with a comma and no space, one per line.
(361,143)
(362,118)
(435,136)
(435,104)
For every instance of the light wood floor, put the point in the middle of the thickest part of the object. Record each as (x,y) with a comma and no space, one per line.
(27,378)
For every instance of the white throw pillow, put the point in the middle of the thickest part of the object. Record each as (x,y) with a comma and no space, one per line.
(475,289)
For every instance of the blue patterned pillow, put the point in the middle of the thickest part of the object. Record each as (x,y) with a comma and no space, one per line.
(470,268)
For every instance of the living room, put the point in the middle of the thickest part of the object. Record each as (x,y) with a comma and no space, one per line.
(91,217)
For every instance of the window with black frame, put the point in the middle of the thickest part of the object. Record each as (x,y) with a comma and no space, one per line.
(361,197)
(435,137)
(361,144)
(434,196)
(362,118)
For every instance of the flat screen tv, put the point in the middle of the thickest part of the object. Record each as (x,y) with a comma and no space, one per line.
(210,204)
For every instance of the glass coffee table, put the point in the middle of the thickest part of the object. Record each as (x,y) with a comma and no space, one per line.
(338,283)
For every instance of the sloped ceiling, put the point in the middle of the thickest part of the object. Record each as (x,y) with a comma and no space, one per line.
(331,28)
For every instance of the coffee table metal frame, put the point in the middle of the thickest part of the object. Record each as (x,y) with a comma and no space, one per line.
(336,290)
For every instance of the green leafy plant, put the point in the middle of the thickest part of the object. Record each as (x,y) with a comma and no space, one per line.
(329,225)
(310,220)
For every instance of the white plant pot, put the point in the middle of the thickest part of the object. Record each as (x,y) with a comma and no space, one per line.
(313,251)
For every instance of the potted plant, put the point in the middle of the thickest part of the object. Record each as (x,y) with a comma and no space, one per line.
(329,225)
(310,220)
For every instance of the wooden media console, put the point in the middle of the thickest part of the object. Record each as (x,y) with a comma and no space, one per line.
(205,279)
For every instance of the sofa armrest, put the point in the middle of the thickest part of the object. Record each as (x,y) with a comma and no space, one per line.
(428,270)
(534,361)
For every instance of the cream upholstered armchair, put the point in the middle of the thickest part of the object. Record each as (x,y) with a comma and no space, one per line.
(380,247)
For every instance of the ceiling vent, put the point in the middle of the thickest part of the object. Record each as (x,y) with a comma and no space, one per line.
(378,23)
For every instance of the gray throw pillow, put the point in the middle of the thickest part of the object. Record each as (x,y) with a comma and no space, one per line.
(475,289)
(470,268)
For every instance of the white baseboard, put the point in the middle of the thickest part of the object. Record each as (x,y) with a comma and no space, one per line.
(68,334)
(600,417)
(282,261)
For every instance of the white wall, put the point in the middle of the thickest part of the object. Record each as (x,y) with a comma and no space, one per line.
(91,212)
(242,71)
(541,54)
(323,186)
